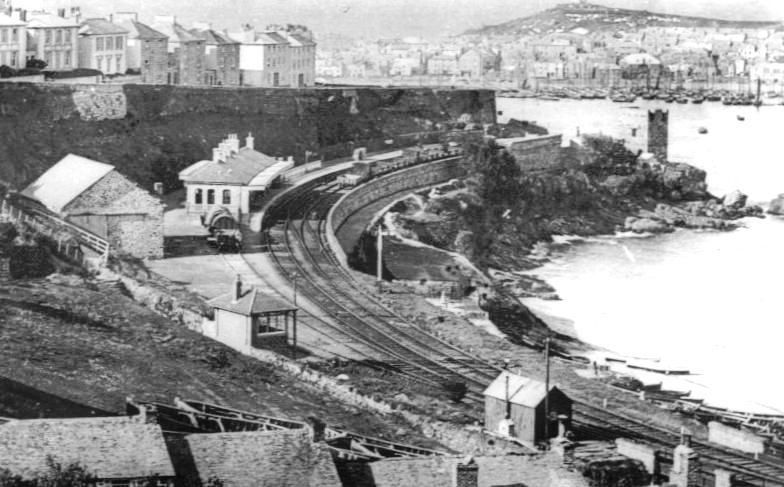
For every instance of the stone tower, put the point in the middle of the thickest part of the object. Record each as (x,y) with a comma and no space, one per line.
(658,121)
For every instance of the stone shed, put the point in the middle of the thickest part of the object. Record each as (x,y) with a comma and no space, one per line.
(97,198)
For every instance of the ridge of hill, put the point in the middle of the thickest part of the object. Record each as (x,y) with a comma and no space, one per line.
(593,17)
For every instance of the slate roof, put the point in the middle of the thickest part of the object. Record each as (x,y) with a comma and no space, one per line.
(144,31)
(285,458)
(66,180)
(176,32)
(522,390)
(270,38)
(43,19)
(108,447)
(241,168)
(8,21)
(252,302)
(213,37)
(100,27)
(494,471)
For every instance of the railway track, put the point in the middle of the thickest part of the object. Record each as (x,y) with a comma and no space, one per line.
(298,247)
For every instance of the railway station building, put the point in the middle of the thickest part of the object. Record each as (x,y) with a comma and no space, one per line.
(515,406)
(234,178)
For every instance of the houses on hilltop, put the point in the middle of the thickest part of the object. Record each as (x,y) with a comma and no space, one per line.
(161,52)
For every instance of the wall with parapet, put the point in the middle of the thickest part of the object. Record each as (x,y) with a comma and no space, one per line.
(152,132)
(410,179)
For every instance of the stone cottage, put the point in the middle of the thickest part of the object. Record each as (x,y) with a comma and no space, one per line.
(96,197)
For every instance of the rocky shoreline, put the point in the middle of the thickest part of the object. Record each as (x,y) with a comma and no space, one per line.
(509,237)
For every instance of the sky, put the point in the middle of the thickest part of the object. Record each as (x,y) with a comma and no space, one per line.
(393,18)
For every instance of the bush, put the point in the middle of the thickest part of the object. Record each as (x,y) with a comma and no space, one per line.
(456,391)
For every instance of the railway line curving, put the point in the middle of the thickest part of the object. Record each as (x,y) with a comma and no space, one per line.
(297,241)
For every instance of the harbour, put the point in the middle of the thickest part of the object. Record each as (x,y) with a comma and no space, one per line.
(703,299)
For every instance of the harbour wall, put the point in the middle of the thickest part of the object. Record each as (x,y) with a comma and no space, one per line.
(152,132)
(342,237)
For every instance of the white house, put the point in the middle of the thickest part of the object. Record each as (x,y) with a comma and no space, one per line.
(232,178)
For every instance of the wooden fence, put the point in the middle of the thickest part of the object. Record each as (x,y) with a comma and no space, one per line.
(54,228)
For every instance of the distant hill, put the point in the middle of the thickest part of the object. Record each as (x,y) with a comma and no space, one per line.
(568,16)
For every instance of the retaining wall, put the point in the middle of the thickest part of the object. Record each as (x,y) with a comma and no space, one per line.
(410,179)
(734,438)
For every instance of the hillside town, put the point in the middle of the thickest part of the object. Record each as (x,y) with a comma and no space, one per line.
(579,43)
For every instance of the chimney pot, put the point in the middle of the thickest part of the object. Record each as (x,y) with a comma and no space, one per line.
(249,142)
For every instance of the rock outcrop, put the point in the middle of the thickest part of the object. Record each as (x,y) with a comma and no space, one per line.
(776,206)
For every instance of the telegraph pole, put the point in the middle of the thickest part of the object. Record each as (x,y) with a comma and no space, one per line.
(379,255)
(547,389)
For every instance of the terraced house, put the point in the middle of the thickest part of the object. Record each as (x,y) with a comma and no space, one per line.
(53,39)
(13,40)
(221,56)
(186,52)
(102,46)
(146,49)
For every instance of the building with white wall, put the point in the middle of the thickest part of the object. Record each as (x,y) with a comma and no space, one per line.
(13,40)
(233,178)
(102,46)
(53,39)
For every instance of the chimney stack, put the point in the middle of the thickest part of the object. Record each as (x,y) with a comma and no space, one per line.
(290,159)
(217,155)
(234,143)
(237,290)
(225,147)
(467,474)
(249,142)
(317,428)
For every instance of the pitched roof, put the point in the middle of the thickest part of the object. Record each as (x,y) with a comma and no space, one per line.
(66,180)
(8,21)
(44,19)
(522,390)
(213,37)
(241,168)
(270,38)
(286,458)
(110,448)
(143,31)
(436,471)
(100,27)
(175,32)
(252,302)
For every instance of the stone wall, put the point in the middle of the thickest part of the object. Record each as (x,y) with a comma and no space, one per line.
(734,438)
(535,153)
(100,102)
(421,176)
(166,128)
(132,218)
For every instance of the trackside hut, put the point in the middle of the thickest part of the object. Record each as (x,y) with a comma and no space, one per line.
(246,318)
(232,179)
(524,399)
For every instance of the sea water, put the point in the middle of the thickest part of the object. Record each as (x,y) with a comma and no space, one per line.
(703,300)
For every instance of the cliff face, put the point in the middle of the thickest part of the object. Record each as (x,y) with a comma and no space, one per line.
(152,132)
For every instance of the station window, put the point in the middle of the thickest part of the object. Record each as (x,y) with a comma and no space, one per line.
(197,197)
(210,196)
(58,36)
(226,197)
(99,43)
